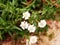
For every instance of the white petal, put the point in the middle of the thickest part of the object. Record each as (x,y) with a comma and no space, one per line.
(33,39)
(26,15)
(31,28)
(24,25)
(42,24)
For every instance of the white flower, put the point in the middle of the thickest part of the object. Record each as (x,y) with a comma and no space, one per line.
(33,39)
(26,15)
(42,24)
(31,28)
(24,25)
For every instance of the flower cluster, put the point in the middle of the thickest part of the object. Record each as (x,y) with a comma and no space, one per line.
(31,28)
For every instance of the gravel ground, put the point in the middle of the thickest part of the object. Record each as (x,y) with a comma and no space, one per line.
(56,39)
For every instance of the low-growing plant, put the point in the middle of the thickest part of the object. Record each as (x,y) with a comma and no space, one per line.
(24,17)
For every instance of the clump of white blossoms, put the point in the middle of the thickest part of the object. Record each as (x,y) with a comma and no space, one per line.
(33,39)
(31,28)
(42,23)
(26,15)
(24,25)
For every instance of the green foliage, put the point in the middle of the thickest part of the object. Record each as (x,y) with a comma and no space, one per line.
(50,9)
(11,14)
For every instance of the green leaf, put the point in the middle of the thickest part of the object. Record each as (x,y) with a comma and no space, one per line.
(15,27)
